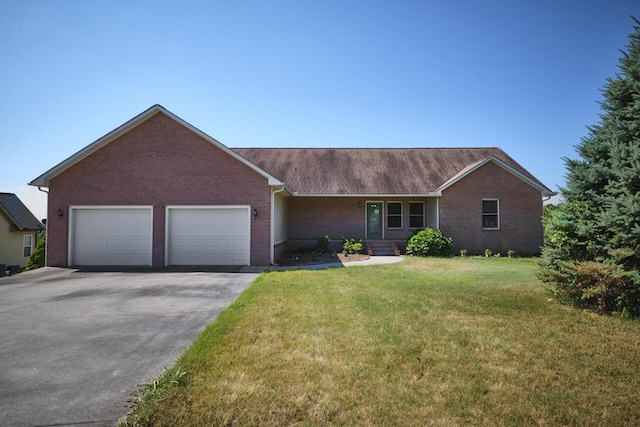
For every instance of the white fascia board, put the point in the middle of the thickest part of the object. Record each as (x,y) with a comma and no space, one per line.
(45,179)
(543,190)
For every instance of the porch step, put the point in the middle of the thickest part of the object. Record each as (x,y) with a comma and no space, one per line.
(383,247)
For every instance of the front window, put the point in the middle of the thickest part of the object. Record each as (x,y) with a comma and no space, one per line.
(490,214)
(416,215)
(27,242)
(394,215)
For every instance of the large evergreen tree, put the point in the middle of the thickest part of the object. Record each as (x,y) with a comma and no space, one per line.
(592,241)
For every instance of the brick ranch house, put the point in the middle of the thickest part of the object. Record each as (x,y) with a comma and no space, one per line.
(158,192)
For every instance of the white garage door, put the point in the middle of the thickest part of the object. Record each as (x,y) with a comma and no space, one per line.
(110,236)
(208,235)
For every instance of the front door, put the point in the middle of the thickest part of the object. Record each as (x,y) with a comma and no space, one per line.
(374,220)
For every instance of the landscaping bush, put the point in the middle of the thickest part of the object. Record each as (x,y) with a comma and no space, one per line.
(321,247)
(36,260)
(322,244)
(428,242)
(352,246)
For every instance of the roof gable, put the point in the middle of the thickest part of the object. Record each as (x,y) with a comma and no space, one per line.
(372,171)
(17,213)
(45,179)
(523,176)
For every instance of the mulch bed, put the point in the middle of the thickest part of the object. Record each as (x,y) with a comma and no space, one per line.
(332,258)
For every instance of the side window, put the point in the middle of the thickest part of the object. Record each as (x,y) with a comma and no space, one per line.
(490,214)
(26,246)
(394,215)
(416,214)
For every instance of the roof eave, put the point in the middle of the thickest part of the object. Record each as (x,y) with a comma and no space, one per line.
(386,195)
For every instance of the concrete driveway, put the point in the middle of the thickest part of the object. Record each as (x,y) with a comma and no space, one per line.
(75,345)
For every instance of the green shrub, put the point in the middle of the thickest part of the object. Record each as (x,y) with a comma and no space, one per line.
(322,244)
(352,246)
(428,242)
(37,258)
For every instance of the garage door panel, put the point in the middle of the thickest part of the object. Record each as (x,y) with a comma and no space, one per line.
(111,236)
(116,244)
(209,258)
(208,236)
(209,243)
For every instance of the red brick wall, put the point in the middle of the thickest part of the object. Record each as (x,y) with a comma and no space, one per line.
(158,163)
(340,217)
(520,213)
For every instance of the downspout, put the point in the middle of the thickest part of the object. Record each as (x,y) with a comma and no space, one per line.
(46,229)
(272,234)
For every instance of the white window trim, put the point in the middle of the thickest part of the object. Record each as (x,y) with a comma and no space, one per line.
(423,215)
(386,217)
(24,245)
(497,214)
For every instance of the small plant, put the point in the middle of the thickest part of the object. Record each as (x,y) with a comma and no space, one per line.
(511,253)
(352,246)
(497,255)
(487,252)
(463,252)
(322,244)
(428,242)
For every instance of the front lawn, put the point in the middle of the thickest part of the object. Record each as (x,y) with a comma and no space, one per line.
(459,341)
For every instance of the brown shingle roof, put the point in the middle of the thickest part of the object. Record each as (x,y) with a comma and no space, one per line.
(325,171)
(17,213)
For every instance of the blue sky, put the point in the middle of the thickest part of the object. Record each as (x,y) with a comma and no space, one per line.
(521,75)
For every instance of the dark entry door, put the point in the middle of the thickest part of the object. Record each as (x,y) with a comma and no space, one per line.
(374,220)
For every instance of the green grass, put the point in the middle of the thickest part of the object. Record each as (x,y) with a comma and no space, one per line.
(464,341)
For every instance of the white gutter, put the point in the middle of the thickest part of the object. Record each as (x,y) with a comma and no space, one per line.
(431,194)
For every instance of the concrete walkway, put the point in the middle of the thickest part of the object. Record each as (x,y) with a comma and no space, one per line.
(373,260)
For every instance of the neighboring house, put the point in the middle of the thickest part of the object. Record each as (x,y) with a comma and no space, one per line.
(157,192)
(19,230)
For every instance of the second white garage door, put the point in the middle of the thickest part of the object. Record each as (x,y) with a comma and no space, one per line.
(217,235)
